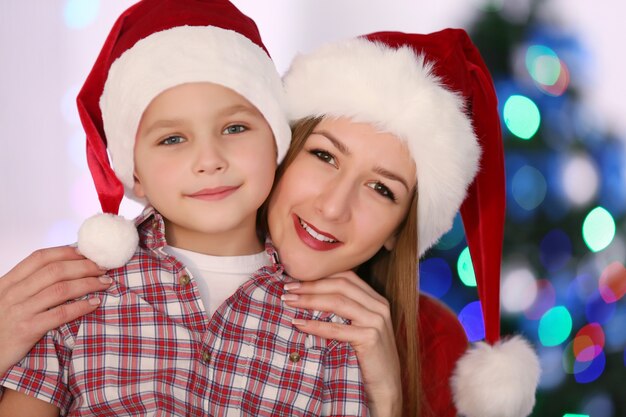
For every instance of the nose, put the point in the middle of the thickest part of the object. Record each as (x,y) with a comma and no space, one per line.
(210,157)
(335,200)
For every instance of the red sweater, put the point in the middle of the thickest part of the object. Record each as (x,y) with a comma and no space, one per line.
(442,342)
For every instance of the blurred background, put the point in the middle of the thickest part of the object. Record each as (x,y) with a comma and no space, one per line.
(558,67)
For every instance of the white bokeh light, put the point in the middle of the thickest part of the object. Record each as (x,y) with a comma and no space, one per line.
(519,289)
(579,179)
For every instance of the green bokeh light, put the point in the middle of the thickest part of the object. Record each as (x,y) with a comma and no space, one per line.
(543,64)
(555,326)
(521,116)
(465,268)
(575,415)
(598,229)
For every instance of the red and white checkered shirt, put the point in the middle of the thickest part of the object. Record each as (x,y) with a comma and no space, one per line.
(150,349)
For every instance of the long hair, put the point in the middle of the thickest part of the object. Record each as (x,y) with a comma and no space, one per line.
(394,274)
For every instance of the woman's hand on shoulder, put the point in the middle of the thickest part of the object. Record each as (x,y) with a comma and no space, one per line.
(370,334)
(33,296)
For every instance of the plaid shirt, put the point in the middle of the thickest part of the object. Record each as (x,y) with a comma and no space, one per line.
(150,349)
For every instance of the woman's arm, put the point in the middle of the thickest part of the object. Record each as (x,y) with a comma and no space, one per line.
(32,297)
(371,333)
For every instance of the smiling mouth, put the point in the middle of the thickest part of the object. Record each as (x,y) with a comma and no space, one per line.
(314,234)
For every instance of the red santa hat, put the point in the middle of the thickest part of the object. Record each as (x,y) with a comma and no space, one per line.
(434,92)
(153,46)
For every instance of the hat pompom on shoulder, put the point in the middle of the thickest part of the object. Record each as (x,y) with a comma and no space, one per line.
(497,380)
(108,240)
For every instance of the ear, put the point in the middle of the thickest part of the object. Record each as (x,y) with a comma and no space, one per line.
(391,242)
(138,187)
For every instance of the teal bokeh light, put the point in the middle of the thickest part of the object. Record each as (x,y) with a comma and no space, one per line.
(465,268)
(555,326)
(521,116)
(80,13)
(543,64)
(598,229)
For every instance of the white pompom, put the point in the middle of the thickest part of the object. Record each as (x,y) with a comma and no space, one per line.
(496,381)
(108,240)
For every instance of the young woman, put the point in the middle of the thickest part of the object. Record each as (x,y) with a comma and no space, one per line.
(357,103)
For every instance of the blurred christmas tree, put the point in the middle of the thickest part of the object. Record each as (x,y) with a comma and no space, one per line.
(564,280)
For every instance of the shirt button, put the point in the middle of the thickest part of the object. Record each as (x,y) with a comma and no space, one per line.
(294,357)
(184,280)
(206,356)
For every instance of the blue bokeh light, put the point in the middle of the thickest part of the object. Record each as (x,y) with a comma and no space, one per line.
(435,276)
(80,13)
(471,317)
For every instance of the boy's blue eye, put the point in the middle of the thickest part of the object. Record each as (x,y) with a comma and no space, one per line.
(234,129)
(172,140)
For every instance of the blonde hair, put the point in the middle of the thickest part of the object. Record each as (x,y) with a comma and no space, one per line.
(394,274)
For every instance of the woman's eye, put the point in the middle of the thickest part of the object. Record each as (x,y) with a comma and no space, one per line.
(172,140)
(324,156)
(383,190)
(230,130)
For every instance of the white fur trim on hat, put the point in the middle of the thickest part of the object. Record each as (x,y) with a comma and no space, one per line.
(108,240)
(395,90)
(180,55)
(496,381)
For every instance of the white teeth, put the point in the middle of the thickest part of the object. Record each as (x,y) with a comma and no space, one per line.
(314,234)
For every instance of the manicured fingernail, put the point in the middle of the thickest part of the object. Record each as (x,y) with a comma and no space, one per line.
(94,301)
(289,297)
(298,322)
(292,286)
(105,279)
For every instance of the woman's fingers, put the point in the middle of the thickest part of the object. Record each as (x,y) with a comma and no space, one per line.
(339,304)
(355,335)
(64,291)
(346,288)
(64,313)
(52,274)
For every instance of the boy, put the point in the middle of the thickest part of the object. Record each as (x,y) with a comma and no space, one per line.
(188,104)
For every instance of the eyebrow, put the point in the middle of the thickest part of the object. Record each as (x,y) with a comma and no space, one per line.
(228,111)
(346,151)
(161,124)
(336,142)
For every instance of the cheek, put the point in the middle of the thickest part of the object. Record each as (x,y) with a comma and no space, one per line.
(374,227)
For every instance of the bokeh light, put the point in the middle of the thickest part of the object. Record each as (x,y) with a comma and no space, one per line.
(543,64)
(521,116)
(80,13)
(465,268)
(588,342)
(471,317)
(519,290)
(599,405)
(435,276)
(579,179)
(528,187)
(598,229)
(597,310)
(585,372)
(555,250)
(453,237)
(552,373)
(555,326)
(544,301)
(614,331)
(612,284)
